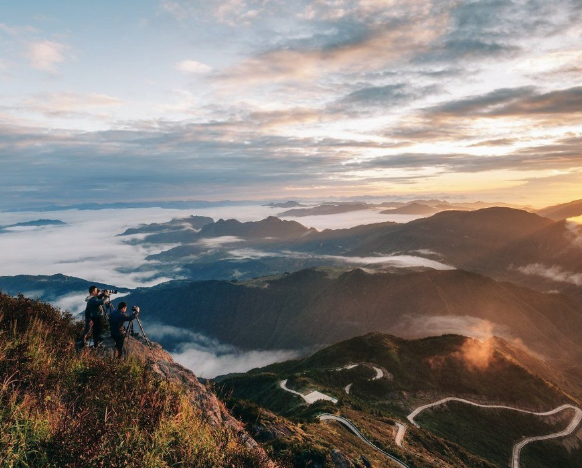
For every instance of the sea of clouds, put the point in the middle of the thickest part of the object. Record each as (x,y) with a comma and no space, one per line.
(208,358)
(89,247)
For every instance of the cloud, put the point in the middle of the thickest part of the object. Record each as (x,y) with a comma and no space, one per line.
(214,242)
(17,31)
(523,101)
(207,357)
(574,226)
(208,364)
(70,104)
(555,273)
(46,55)
(383,97)
(192,66)
(367,37)
(476,354)
(74,302)
(87,247)
(416,326)
(399,261)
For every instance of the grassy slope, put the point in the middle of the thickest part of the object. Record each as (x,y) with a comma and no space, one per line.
(59,408)
(552,453)
(488,433)
(434,365)
(422,370)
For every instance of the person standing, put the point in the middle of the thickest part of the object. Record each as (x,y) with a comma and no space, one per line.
(94,313)
(117,318)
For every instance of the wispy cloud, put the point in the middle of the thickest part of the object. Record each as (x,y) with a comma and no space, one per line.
(420,326)
(46,55)
(192,66)
(207,357)
(402,261)
(554,272)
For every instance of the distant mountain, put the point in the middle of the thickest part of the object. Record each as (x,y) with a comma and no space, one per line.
(288,204)
(35,223)
(547,259)
(271,227)
(504,243)
(181,230)
(326,209)
(311,308)
(180,205)
(48,288)
(412,209)
(341,241)
(458,236)
(392,204)
(562,211)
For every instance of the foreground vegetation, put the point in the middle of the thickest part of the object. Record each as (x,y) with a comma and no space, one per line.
(63,408)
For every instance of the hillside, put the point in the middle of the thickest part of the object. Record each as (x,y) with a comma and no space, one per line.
(458,236)
(63,408)
(546,259)
(379,379)
(318,306)
(413,209)
(562,211)
(49,287)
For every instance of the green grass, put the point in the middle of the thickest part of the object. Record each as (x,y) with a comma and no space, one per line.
(60,408)
(434,364)
(551,454)
(488,433)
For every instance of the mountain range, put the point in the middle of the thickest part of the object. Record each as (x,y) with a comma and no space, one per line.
(316,307)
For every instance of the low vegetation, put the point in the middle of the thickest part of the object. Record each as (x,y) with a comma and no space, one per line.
(489,433)
(63,408)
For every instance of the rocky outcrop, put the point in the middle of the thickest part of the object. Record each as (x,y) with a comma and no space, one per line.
(163,366)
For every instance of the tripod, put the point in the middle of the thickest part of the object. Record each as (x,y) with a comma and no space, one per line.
(143,333)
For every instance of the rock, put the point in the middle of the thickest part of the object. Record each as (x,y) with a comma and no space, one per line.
(163,366)
(339,459)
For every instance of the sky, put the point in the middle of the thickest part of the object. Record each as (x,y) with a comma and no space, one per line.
(155,100)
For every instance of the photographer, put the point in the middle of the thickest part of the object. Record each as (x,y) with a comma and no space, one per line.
(94,313)
(116,321)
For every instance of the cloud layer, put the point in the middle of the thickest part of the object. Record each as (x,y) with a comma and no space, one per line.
(209,358)
(252,99)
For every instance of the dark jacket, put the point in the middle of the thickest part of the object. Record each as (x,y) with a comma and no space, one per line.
(95,305)
(116,320)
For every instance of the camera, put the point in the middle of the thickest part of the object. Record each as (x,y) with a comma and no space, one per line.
(134,308)
(107,292)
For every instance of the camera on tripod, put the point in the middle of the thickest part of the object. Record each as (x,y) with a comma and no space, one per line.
(107,292)
(134,309)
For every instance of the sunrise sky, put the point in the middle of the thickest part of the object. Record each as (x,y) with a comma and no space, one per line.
(134,100)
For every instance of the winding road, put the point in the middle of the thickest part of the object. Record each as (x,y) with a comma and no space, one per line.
(401,431)
(379,374)
(520,445)
(310,398)
(352,428)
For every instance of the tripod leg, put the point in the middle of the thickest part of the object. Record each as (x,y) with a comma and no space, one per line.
(142,331)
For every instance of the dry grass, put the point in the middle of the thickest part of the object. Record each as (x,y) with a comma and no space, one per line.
(60,408)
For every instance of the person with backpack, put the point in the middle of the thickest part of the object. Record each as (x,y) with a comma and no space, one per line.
(117,318)
(94,313)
